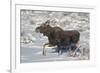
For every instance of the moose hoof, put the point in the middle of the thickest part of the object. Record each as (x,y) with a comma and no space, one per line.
(44,54)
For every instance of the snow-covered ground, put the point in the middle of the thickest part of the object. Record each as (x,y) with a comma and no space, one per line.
(32,42)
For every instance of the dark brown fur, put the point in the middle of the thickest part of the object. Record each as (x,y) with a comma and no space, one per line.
(57,36)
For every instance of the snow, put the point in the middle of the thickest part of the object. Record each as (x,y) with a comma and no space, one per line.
(32,42)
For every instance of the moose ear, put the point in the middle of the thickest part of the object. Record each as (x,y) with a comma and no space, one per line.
(47,22)
(43,24)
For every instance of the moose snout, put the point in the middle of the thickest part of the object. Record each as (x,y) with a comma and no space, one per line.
(37,29)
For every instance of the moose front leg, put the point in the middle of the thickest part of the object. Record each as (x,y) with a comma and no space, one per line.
(44,48)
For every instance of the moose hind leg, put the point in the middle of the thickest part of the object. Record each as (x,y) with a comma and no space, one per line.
(77,48)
